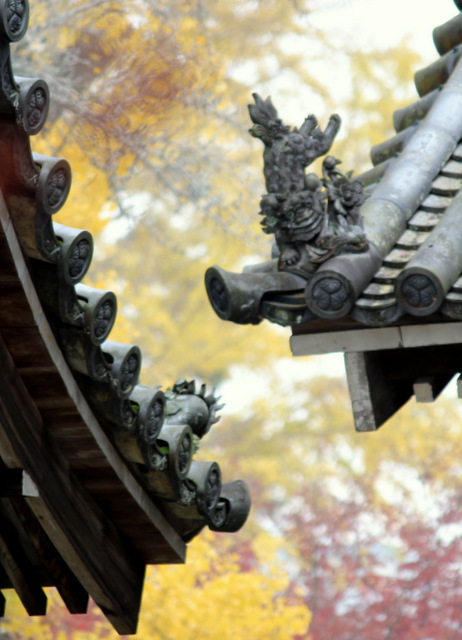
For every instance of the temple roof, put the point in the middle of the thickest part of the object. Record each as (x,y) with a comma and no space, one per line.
(372,265)
(413,212)
(98,476)
(411,218)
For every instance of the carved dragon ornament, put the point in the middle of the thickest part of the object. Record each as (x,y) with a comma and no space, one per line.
(312,218)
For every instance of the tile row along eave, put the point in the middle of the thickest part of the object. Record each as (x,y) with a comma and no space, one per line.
(150,427)
(419,171)
(412,220)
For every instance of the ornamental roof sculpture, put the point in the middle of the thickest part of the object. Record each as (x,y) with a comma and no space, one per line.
(391,299)
(97,471)
(312,219)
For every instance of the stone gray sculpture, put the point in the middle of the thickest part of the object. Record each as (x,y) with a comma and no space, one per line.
(311,218)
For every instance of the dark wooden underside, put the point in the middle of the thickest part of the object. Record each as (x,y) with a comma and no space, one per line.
(71,513)
(381,382)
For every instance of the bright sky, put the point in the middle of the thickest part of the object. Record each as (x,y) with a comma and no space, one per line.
(374,24)
(386,22)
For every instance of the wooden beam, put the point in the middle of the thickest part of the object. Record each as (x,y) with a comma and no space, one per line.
(8,457)
(20,572)
(354,340)
(85,538)
(381,382)
(423,389)
(428,389)
(5,582)
(74,596)
(374,398)
(374,339)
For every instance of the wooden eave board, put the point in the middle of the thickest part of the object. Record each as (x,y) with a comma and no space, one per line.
(377,339)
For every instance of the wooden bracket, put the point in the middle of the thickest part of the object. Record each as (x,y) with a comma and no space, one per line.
(74,596)
(381,382)
(20,571)
(374,397)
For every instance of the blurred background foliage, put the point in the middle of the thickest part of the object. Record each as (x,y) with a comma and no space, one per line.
(351,535)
